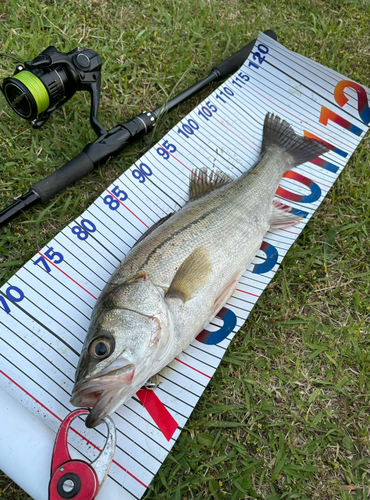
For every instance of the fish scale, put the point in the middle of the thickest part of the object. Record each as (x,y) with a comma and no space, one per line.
(240,211)
(182,271)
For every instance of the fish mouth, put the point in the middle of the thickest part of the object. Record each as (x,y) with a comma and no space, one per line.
(104,392)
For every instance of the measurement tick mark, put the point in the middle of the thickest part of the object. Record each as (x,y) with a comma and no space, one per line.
(74,281)
(138,218)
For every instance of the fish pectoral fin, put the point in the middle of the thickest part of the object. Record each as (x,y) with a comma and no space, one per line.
(202,181)
(191,276)
(282,216)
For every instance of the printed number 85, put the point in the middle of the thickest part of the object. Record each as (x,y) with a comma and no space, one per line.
(112,202)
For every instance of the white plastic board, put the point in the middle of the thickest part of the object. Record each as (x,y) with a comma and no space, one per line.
(46,306)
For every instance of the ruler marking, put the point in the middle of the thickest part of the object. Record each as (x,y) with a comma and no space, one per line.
(126,207)
(100,263)
(243,291)
(183,164)
(45,327)
(59,283)
(192,367)
(39,338)
(335,158)
(65,274)
(174,175)
(300,119)
(39,369)
(94,237)
(37,352)
(220,154)
(109,230)
(57,308)
(148,421)
(59,295)
(258,152)
(139,189)
(203,362)
(303,75)
(303,105)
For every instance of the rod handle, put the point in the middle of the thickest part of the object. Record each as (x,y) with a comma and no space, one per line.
(232,63)
(69,173)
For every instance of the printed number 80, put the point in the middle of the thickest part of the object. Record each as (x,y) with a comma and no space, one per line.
(87,225)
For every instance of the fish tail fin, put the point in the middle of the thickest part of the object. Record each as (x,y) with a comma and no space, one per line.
(279,133)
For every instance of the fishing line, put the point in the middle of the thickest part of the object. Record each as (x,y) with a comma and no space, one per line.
(11,57)
(37,89)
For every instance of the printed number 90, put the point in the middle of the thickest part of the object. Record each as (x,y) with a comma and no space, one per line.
(142,172)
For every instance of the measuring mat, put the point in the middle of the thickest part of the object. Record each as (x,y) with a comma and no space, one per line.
(45,308)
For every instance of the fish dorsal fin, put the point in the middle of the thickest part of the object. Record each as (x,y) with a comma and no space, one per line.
(191,276)
(282,216)
(203,180)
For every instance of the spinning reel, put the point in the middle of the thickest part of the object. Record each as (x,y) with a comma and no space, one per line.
(42,85)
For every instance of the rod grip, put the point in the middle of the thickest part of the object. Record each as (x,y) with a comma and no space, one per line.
(232,63)
(69,173)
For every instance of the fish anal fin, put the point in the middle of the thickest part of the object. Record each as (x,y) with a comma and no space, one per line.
(282,216)
(202,181)
(191,276)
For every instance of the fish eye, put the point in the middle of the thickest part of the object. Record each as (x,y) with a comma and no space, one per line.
(100,348)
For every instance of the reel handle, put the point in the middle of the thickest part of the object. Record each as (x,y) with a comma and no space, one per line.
(232,63)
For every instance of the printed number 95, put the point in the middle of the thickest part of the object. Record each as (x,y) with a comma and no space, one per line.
(171,148)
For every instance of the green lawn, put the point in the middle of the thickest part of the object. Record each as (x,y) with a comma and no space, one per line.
(286,415)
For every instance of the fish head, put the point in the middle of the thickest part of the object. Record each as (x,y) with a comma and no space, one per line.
(128,339)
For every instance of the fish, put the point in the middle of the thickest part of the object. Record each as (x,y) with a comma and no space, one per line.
(182,271)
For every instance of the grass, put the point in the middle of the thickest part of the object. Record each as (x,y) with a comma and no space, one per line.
(286,415)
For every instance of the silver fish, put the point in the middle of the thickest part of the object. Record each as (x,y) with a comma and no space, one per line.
(182,271)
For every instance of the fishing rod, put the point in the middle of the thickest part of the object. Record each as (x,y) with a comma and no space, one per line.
(42,85)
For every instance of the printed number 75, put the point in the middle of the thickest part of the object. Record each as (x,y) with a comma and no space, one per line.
(55,257)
